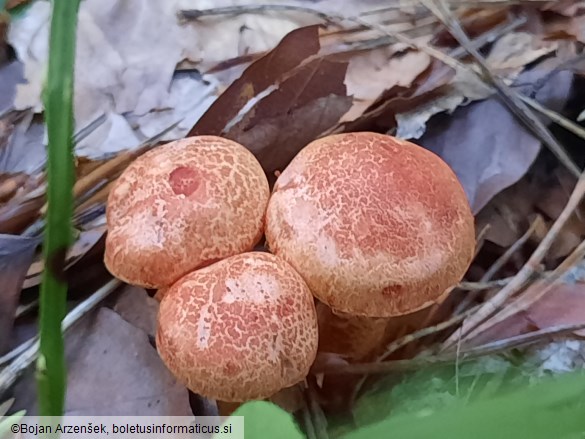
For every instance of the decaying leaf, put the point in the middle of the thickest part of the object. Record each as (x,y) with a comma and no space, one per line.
(86,240)
(564,305)
(292,50)
(515,50)
(137,308)
(113,370)
(133,78)
(372,72)
(10,76)
(16,254)
(489,157)
(281,102)
(464,88)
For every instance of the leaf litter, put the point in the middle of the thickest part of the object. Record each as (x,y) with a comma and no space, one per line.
(274,81)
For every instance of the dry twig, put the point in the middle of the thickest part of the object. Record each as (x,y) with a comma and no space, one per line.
(500,262)
(444,359)
(532,295)
(28,355)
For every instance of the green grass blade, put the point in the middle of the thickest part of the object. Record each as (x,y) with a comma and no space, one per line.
(58,99)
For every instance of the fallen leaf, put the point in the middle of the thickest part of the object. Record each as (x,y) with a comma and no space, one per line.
(86,240)
(11,4)
(463,89)
(16,254)
(139,309)
(372,72)
(294,48)
(124,83)
(282,101)
(566,28)
(11,74)
(384,113)
(509,213)
(515,50)
(569,8)
(489,157)
(564,305)
(303,107)
(132,380)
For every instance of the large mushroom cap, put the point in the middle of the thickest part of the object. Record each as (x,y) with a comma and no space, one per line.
(376,226)
(241,329)
(182,206)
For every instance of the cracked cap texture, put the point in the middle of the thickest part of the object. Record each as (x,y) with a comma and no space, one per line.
(376,226)
(241,329)
(182,206)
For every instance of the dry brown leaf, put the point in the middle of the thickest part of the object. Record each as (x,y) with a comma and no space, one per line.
(84,243)
(303,107)
(16,254)
(11,4)
(294,48)
(565,305)
(136,307)
(508,213)
(566,28)
(568,8)
(112,370)
(515,50)
(383,114)
(372,72)
(10,184)
(485,144)
(465,87)
(282,101)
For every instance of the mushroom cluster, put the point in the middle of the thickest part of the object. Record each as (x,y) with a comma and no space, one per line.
(183,218)
(359,226)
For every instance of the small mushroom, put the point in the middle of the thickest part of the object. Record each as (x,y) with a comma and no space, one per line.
(378,227)
(240,329)
(182,206)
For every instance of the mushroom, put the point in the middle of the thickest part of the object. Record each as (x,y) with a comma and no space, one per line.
(240,329)
(183,206)
(378,228)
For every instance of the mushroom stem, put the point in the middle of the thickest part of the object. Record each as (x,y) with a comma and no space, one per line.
(355,338)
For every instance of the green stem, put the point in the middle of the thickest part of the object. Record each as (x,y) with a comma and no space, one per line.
(58,99)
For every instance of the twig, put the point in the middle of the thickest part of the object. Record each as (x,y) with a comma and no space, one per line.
(521,340)
(501,261)
(417,335)
(481,286)
(532,295)
(525,273)
(444,359)
(9,375)
(409,338)
(319,421)
(509,96)
(196,14)
(559,119)
(8,357)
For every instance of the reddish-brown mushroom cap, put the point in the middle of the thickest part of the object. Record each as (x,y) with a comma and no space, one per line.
(182,206)
(240,329)
(377,226)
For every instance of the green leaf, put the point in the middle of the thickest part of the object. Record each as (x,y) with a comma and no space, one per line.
(552,409)
(264,420)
